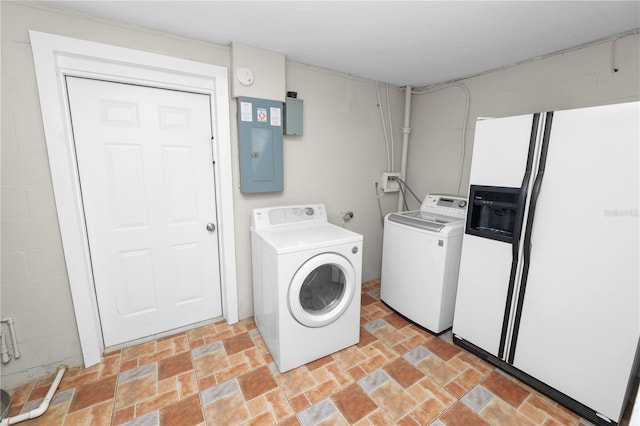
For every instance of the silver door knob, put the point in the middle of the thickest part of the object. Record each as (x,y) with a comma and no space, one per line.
(211,227)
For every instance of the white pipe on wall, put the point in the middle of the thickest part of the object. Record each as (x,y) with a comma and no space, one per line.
(44,405)
(4,351)
(14,339)
(406,130)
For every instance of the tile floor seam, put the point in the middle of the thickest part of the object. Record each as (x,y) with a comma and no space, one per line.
(195,373)
(547,416)
(197,379)
(112,406)
(458,401)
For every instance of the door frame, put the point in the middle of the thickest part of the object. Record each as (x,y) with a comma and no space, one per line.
(56,57)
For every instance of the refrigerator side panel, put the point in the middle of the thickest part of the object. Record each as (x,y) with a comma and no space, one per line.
(500,149)
(580,325)
(483,281)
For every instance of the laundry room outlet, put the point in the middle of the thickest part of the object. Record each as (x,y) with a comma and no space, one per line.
(388,182)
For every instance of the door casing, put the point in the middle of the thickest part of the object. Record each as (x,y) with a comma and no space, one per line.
(56,57)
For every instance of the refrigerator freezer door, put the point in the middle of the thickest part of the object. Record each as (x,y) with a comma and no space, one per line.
(579,325)
(500,149)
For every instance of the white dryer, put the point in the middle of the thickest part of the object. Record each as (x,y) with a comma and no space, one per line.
(420,261)
(306,283)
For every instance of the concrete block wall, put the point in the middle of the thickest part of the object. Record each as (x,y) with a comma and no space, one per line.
(575,79)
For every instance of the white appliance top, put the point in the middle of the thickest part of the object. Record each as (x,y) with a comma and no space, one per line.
(278,217)
(438,213)
(294,228)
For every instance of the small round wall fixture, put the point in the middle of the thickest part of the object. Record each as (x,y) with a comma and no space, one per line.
(244,76)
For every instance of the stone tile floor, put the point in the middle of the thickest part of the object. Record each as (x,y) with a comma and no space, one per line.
(224,375)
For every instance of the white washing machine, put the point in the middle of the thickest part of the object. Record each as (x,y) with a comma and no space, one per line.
(306,283)
(420,261)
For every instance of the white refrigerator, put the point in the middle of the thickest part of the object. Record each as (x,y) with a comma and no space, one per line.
(549,288)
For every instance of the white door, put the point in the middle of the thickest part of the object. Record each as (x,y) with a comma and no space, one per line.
(145,164)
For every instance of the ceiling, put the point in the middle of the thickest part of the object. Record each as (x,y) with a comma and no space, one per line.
(400,42)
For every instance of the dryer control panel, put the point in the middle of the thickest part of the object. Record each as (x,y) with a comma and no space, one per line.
(289,215)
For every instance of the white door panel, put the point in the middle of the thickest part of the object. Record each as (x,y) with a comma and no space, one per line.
(580,325)
(145,165)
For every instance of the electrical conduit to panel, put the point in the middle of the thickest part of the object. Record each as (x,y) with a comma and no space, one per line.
(406,130)
(390,150)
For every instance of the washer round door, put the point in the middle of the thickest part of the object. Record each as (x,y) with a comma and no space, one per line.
(321,290)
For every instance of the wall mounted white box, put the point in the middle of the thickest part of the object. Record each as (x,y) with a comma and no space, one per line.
(387,184)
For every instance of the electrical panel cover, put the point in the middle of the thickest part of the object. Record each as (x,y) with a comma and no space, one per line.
(260,137)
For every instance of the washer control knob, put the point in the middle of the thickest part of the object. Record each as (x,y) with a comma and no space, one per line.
(462,203)
(308,211)
(354,250)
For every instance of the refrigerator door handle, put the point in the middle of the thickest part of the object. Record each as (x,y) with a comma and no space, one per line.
(527,235)
(517,230)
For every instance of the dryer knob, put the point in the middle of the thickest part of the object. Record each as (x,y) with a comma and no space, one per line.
(354,250)
(308,211)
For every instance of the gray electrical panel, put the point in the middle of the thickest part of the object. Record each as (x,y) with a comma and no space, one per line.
(260,137)
(293,117)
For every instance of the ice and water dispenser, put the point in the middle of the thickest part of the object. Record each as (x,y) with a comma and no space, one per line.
(493,212)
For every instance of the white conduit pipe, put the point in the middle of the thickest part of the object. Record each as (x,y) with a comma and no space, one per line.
(14,339)
(4,351)
(406,130)
(44,405)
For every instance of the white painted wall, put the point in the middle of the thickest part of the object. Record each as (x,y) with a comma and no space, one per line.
(335,162)
(574,79)
(267,67)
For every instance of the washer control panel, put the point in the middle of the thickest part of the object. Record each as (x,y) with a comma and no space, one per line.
(289,215)
(451,205)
